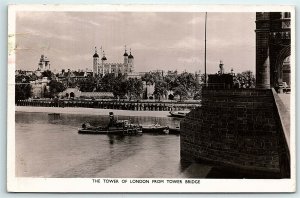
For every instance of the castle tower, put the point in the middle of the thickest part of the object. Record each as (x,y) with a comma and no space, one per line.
(44,63)
(125,68)
(41,63)
(95,62)
(103,62)
(125,57)
(47,63)
(103,59)
(130,62)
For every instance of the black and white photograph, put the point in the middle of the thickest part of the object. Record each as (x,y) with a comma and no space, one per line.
(112,98)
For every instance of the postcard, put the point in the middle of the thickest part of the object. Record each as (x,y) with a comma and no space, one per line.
(151,98)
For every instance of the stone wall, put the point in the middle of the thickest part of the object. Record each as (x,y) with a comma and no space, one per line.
(235,129)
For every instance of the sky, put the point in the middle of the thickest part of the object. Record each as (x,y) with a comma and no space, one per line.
(158,40)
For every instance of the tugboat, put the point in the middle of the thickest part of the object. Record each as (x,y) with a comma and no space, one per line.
(115,127)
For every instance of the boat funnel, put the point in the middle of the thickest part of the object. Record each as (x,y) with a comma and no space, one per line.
(111,118)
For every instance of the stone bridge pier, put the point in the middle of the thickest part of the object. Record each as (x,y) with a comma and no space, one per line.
(247,130)
(238,130)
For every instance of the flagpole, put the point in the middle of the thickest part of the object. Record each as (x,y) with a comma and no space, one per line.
(205,49)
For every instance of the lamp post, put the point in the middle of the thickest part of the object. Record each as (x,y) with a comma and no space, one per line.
(205,49)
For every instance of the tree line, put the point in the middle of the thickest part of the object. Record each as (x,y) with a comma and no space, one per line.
(119,85)
(185,85)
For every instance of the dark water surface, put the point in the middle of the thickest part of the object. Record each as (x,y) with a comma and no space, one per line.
(50,146)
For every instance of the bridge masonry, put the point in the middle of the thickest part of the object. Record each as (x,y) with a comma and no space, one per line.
(239,130)
(247,130)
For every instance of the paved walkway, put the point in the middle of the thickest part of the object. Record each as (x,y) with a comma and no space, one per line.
(283,104)
(286,99)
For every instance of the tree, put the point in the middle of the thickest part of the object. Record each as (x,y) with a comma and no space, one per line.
(55,87)
(245,79)
(22,88)
(184,83)
(152,77)
(188,80)
(47,74)
(88,84)
(181,92)
(171,81)
(107,82)
(120,87)
(130,87)
(33,77)
(160,89)
(138,88)
(149,78)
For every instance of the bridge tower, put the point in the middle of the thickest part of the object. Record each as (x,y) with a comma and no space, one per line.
(273,48)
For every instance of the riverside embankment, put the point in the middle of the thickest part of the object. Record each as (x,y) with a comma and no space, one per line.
(90,111)
(114,104)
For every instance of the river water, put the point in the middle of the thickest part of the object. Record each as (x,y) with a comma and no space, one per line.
(50,146)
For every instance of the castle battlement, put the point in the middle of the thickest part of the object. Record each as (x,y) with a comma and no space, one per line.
(101,66)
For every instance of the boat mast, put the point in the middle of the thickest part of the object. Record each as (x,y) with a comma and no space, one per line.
(205,48)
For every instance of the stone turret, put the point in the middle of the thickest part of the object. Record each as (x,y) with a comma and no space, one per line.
(130,62)
(125,56)
(95,62)
(44,63)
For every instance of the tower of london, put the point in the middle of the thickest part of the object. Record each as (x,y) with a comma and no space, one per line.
(102,67)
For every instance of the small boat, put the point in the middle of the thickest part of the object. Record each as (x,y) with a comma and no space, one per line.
(155,128)
(115,127)
(174,130)
(178,114)
(53,114)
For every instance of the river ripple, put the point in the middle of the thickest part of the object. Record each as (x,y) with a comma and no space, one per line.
(48,146)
